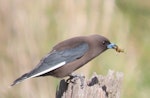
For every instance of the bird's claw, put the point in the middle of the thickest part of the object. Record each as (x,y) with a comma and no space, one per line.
(74,77)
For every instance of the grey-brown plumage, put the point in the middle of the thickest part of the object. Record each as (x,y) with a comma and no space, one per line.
(69,55)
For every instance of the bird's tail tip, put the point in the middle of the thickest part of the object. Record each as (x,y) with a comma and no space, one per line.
(14,83)
(20,79)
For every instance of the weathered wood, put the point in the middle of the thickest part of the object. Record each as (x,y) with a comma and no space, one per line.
(98,86)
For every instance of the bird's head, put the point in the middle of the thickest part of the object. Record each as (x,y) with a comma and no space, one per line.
(106,44)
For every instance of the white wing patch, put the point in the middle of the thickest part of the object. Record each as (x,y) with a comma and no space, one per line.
(50,69)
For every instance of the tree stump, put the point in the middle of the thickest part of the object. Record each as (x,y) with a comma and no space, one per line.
(98,86)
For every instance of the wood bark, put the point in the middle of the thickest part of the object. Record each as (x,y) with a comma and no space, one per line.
(98,86)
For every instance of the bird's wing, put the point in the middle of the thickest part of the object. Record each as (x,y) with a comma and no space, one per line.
(54,60)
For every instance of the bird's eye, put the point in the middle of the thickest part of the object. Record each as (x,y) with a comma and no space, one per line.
(104,42)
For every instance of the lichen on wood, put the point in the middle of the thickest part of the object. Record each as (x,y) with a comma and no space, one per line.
(97,86)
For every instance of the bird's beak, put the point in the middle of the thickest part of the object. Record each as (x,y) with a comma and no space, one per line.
(114,46)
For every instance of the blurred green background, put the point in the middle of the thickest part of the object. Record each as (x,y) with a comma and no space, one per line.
(29,29)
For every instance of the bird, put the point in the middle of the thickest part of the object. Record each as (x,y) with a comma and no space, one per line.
(68,56)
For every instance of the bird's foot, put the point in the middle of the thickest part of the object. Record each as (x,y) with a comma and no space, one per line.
(74,77)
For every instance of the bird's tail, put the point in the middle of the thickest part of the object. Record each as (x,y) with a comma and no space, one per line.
(23,77)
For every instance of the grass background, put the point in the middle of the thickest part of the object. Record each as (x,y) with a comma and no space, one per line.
(29,29)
